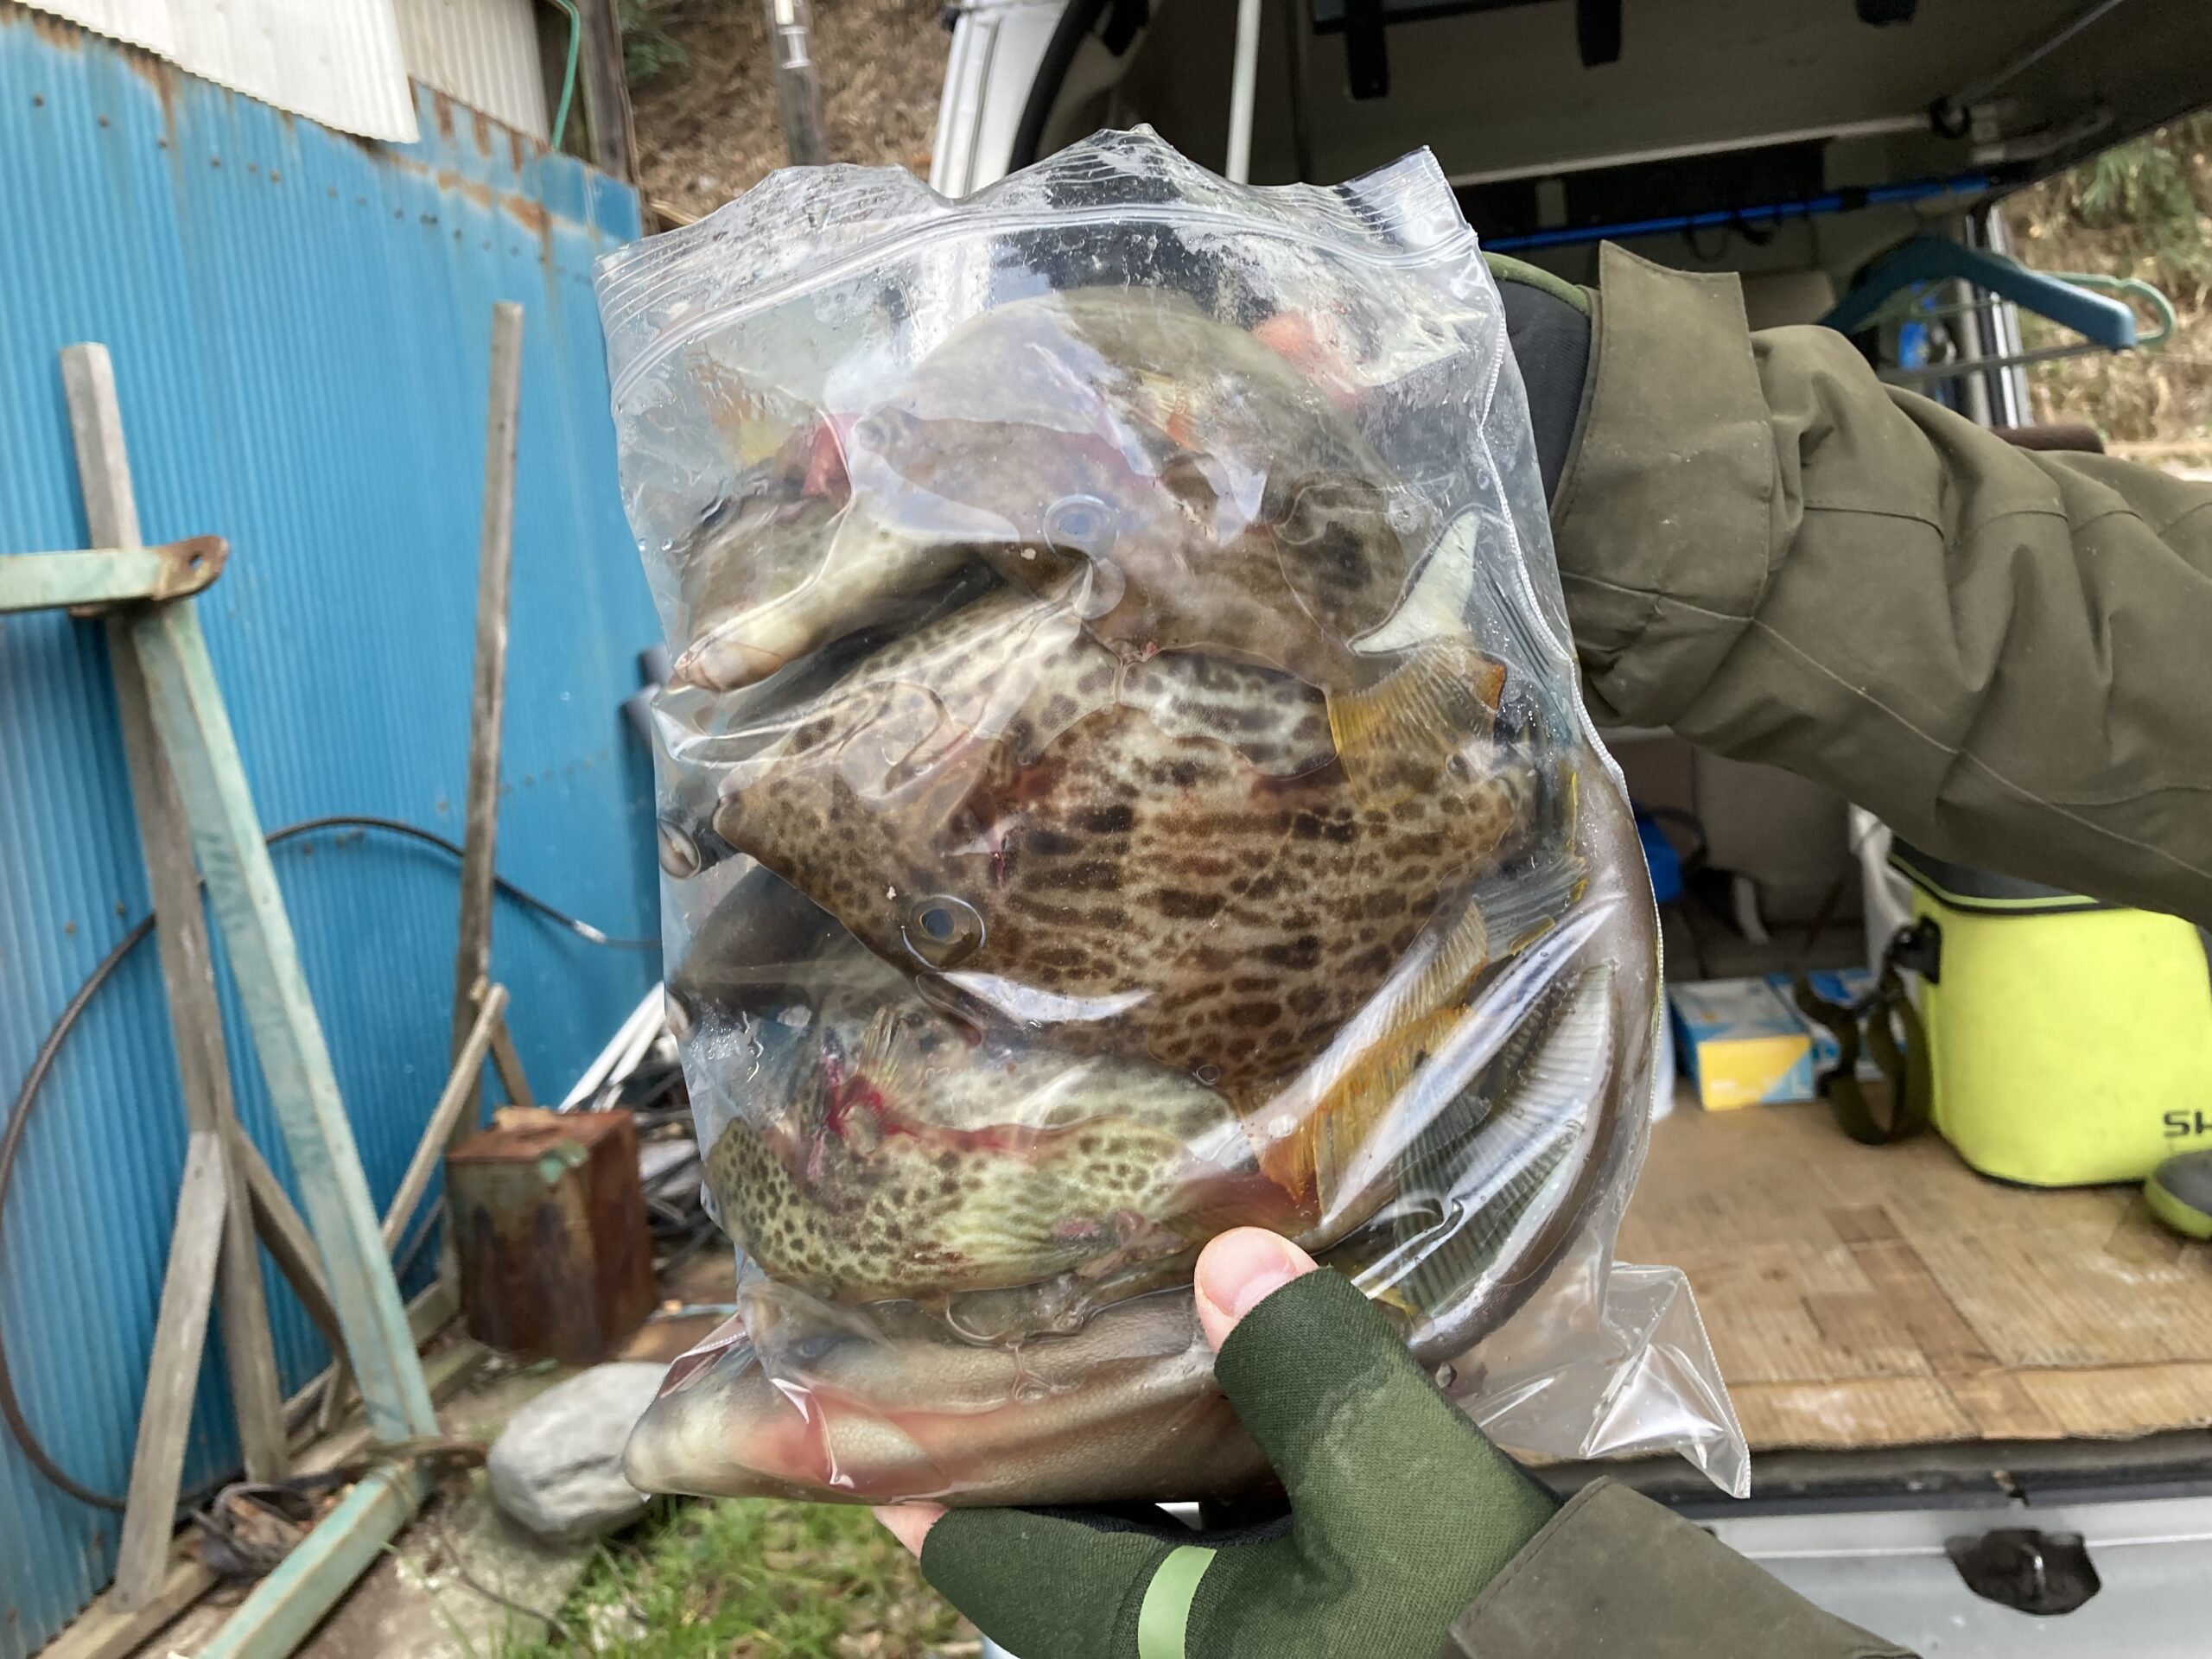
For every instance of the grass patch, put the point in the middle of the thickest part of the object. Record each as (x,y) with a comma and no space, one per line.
(758,1578)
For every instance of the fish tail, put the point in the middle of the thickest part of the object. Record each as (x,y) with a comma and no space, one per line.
(1395,736)
(1475,1175)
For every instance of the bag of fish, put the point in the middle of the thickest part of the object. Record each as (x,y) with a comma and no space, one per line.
(1122,778)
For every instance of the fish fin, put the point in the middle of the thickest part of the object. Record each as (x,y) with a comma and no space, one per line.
(1309,1159)
(1321,1156)
(1502,916)
(891,1057)
(1395,736)
(1520,907)
(1437,603)
(1471,1179)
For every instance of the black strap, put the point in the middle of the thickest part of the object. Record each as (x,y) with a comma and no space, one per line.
(1367,57)
(1871,1025)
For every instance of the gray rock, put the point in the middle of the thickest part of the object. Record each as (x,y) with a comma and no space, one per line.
(557,1468)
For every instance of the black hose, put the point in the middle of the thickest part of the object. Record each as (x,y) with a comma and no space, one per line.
(1068,36)
(19,1112)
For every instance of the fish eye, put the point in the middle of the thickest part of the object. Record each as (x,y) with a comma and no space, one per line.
(943,931)
(1080,524)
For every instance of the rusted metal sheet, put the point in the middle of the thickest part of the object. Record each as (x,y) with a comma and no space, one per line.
(555,1256)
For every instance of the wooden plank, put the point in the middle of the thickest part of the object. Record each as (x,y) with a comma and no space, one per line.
(291,1244)
(280,1611)
(606,93)
(172,1375)
(448,1371)
(460,1089)
(95,578)
(472,962)
(195,732)
(203,1064)
(180,936)
(105,1630)
(1862,1296)
(512,1078)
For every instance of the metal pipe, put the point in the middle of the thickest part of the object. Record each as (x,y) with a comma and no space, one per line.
(2002,325)
(1243,89)
(647,1017)
(1812,207)
(798,92)
(276,1617)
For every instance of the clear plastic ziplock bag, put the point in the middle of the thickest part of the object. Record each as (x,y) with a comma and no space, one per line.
(1123,777)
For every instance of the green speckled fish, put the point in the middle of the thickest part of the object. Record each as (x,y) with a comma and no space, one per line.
(878,1149)
(924,1164)
(799,1399)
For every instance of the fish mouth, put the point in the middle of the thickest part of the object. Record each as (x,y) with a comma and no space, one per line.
(723,660)
(723,1427)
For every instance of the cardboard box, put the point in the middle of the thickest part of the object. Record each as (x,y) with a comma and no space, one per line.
(1744,1043)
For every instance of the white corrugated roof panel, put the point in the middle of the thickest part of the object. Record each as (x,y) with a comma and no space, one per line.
(337,62)
(483,52)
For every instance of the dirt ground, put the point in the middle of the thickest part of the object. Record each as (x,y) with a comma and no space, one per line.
(707,123)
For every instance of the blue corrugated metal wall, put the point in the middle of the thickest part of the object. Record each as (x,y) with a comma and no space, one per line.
(300,326)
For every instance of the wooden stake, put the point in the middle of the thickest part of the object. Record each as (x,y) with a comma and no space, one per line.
(196,735)
(607,91)
(290,1243)
(180,934)
(512,1078)
(472,962)
(172,1375)
(461,1089)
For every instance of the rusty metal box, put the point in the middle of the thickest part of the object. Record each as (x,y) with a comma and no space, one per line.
(549,1222)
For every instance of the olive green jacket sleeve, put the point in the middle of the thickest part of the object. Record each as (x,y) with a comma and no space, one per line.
(1615,1574)
(2006,656)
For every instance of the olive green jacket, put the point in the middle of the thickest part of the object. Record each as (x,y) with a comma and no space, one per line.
(1613,1574)
(2005,655)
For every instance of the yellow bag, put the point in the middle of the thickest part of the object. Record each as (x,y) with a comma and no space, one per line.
(2069,1042)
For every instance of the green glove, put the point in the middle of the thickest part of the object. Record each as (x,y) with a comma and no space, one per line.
(1401,1511)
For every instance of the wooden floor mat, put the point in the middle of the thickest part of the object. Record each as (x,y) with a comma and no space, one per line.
(1881,1296)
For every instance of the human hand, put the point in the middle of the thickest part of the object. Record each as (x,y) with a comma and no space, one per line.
(1400,1510)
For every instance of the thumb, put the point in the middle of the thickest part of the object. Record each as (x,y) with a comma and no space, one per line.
(1237,1270)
